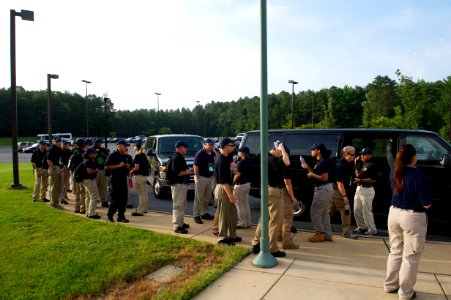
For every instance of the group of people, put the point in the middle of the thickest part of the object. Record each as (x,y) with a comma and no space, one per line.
(89,171)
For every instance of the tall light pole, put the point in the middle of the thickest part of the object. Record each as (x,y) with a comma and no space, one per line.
(86,105)
(26,15)
(198,120)
(292,100)
(105,99)
(313,101)
(158,112)
(49,103)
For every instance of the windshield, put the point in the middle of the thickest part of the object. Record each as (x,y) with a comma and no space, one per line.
(166,145)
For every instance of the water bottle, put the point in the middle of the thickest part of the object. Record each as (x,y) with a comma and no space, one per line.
(301,159)
(347,209)
(130,182)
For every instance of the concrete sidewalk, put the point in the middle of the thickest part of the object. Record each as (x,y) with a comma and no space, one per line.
(343,269)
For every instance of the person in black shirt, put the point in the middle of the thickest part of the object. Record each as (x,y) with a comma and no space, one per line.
(89,182)
(41,173)
(367,174)
(344,170)
(79,189)
(129,160)
(119,168)
(323,190)
(242,187)
(203,176)
(101,179)
(140,171)
(278,160)
(66,154)
(55,161)
(227,213)
(179,188)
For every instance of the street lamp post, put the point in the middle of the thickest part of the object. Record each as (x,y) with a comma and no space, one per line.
(49,103)
(198,121)
(313,101)
(292,100)
(106,123)
(86,106)
(26,15)
(158,112)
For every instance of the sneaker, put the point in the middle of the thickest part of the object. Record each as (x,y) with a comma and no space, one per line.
(349,236)
(185,225)
(370,232)
(278,254)
(359,230)
(82,212)
(105,204)
(57,206)
(129,206)
(229,242)
(328,238)
(240,227)
(317,237)
(181,230)
(123,220)
(45,200)
(109,220)
(94,217)
(198,220)
(290,246)
(207,216)
(137,214)
(215,233)
(236,239)
(256,248)
(293,229)
(64,202)
(77,211)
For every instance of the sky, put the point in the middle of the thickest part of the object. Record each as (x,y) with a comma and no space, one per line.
(209,50)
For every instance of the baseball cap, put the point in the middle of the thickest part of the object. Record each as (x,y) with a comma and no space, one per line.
(91,151)
(138,145)
(180,144)
(42,143)
(366,151)
(121,142)
(56,139)
(209,141)
(80,142)
(225,141)
(98,141)
(318,146)
(88,141)
(244,149)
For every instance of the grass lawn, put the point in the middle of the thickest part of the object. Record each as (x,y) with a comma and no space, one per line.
(49,254)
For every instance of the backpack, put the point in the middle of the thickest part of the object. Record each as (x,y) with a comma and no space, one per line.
(170,176)
(80,173)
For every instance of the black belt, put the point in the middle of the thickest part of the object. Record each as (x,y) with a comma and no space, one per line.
(365,186)
(277,187)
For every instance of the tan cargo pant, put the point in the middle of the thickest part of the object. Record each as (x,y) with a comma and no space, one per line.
(55,185)
(102,185)
(41,183)
(179,194)
(363,208)
(275,206)
(92,196)
(64,183)
(141,190)
(80,194)
(241,193)
(202,196)
(226,213)
(287,218)
(407,231)
(337,204)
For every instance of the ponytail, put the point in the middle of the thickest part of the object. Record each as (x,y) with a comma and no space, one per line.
(403,158)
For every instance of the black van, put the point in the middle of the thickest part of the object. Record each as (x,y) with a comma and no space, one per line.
(433,155)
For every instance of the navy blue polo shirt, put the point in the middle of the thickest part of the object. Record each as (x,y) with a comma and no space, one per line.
(91,164)
(321,167)
(179,165)
(223,174)
(244,168)
(205,162)
(276,170)
(415,193)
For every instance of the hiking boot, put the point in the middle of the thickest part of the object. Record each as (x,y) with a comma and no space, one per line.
(359,230)
(228,242)
(105,204)
(123,220)
(207,216)
(317,237)
(57,206)
(64,202)
(96,217)
(181,230)
(256,248)
(45,200)
(198,220)
(290,246)
(236,239)
(185,225)
(293,229)
(137,214)
(278,254)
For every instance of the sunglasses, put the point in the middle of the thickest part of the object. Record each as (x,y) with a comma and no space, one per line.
(231,145)
(352,154)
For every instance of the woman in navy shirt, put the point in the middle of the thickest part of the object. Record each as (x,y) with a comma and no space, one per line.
(407,223)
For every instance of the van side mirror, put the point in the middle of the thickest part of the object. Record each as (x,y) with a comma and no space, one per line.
(151,152)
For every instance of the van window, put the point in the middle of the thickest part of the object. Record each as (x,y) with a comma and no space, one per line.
(378,145)
(300,144)
(166,145)
(253,142)
(429,151)
(150,143)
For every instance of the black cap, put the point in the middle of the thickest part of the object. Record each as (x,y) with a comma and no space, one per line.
(56,139)
(138,145)
(209,141)
(121,142)
(244,149)
(366,151)
(180,144)
(98,141)
(42,143)
(91,151)
(225,141)
(80,142)
(318,146)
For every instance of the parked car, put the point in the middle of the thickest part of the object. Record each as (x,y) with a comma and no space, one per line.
(159,148)
(23,145)
(433,159)
(31,148)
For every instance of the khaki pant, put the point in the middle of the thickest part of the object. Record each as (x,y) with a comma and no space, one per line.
(319,212)
(71,181)
(363,208)
(64,183)
(102,185)
(92,196)
(241,193)
(337,204)
(226,213)
(287,218)
(41,183)
(80,194)
(202,195)
(179,194)
(141,190)
(407,231)
(55,185)
(275,206)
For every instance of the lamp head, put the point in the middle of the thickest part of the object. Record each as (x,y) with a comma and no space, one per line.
(27,15)
(53,76)
(292,81)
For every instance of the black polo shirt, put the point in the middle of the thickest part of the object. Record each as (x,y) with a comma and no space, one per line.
(141,160)
(38,157)
(91,164)
(205,162)
(244,168)
(223,174)
(368,170)
(179,165)
(344,172)
(55,155)
(114,159)
(276,169)
(321,167)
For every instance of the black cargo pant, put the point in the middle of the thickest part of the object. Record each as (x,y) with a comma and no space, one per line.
(118,196)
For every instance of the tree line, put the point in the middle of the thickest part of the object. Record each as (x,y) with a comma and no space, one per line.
(383,103)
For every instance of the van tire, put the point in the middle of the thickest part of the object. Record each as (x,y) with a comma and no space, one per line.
(158,190)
